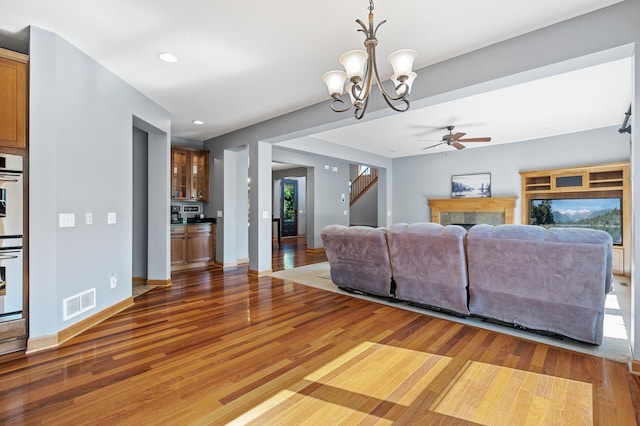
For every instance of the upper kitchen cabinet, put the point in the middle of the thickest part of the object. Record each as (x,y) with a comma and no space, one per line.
(13,99)
(200,175)
(189,174)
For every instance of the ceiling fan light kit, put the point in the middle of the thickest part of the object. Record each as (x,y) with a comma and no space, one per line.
(360,70)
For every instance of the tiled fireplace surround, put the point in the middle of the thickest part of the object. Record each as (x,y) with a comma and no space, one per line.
(471,211)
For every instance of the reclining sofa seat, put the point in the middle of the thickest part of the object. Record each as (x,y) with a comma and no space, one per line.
(429,265)
(359,258)
(553,280)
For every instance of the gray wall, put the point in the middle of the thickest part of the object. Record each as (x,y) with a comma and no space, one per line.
(81,161)
(604,35)
(324,203)
(140,201)
(365,210)
(419,178)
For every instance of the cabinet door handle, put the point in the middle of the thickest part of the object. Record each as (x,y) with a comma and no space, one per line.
(8,178)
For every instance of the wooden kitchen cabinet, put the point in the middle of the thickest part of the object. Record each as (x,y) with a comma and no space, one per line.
(178,245)
(13,99)
(199,242)
(192,246)
(189,174)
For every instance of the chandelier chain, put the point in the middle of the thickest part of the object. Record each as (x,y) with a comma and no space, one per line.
(370,6)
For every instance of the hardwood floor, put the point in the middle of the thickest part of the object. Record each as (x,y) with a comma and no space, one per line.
(220,346)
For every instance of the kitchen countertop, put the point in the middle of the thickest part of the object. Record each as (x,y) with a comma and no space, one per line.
(191,221)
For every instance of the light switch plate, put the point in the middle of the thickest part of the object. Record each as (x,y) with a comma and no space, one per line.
(111,218)
(88,218)
(66,220)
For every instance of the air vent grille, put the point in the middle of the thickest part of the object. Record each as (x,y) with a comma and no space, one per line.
(79,303)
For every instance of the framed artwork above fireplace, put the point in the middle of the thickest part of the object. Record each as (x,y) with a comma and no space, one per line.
(471,186)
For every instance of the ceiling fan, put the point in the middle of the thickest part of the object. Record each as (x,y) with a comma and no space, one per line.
(454,139)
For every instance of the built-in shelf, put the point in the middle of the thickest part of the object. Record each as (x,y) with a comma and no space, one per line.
(595,181)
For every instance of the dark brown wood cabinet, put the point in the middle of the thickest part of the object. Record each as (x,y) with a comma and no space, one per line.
(13,99)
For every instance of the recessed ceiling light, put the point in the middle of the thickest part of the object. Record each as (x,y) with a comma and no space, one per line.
(198,122)
(167,57)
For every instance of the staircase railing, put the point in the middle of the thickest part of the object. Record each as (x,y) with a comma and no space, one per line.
(361,184)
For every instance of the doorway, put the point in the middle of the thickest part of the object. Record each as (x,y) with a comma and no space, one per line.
(289,207)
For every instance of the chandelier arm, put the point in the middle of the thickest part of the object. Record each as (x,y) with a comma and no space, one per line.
(336,109)
(388,98)
(359,112)
(364,28)
(377,26)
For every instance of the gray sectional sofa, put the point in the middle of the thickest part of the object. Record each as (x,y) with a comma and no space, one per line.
(552,280)
(359,259)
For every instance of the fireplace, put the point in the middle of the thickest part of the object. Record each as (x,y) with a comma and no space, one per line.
(471,211)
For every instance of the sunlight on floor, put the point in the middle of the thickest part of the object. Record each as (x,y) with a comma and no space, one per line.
(348,388)
(491,395)
(616,308)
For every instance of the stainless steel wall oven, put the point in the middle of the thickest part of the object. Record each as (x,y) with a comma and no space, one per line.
(11,234)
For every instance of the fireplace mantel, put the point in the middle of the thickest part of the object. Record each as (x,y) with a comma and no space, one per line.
(504,206)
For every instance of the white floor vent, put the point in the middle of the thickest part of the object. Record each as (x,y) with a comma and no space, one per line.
(75,305)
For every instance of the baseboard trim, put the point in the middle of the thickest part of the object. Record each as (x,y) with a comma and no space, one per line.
(315,250)
(634,367)
(52,341)
(159,283)
(37,344)
(254,273)
(138,280)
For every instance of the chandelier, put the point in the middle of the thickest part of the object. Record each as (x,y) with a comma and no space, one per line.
(361,70)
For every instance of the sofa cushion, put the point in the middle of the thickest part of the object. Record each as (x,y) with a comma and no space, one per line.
(359,258)
(554,280)
(429,265)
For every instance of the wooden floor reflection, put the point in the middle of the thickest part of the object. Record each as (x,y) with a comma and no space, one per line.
(221,346)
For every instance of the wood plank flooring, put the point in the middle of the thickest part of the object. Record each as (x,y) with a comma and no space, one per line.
(221,347)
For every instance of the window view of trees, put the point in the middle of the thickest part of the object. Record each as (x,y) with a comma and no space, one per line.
(542,214)
(289,202)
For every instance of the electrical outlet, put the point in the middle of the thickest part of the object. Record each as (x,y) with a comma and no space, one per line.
(113,281)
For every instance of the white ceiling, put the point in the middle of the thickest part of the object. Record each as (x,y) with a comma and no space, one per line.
(589,98)
(242,62)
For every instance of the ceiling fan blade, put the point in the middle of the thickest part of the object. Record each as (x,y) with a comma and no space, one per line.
(433,146)
(457,145)
(475,140)
(456,136)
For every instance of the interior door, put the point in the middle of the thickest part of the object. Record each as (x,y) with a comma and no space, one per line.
(289,207)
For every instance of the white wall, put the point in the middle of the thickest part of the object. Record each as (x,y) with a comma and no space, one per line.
(81,160)
(416,179)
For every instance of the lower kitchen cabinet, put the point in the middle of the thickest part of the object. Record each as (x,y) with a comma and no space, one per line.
(192,246)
